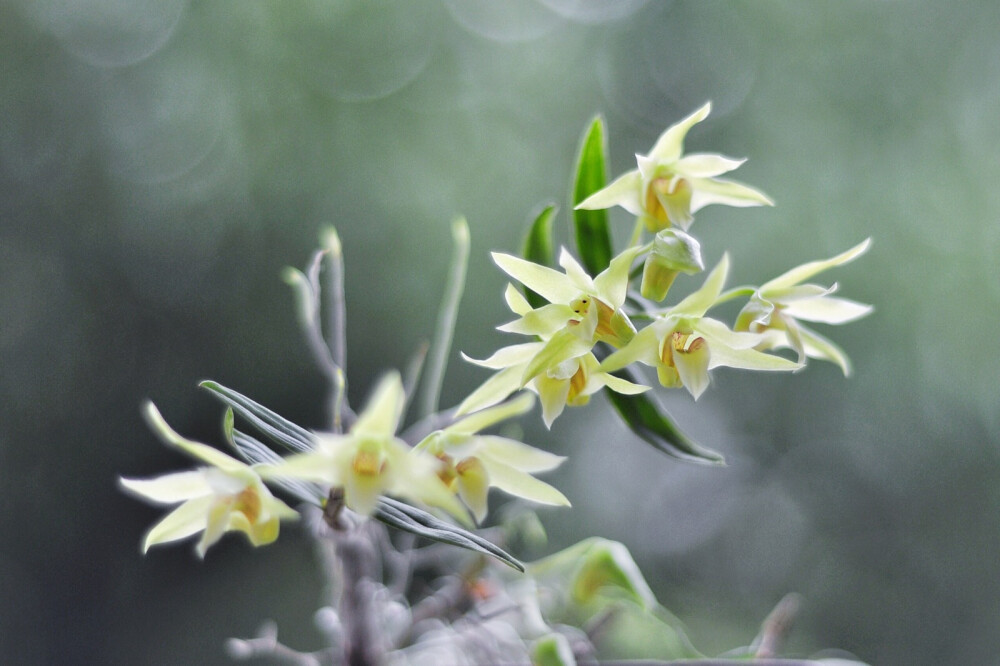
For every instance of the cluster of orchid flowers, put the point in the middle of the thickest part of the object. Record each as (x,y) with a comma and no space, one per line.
(582,335)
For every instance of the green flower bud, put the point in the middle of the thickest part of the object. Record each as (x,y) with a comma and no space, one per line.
(673,252)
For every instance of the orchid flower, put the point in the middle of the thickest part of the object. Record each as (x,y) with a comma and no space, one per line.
(581,311)
(668,187)
(225,496)
(683,344)
(777,307)
(473,463)
(569,382)
(370,461)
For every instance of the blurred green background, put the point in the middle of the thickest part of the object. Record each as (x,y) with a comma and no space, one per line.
(161,161)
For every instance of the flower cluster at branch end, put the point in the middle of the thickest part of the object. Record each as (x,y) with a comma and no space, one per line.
(680,342)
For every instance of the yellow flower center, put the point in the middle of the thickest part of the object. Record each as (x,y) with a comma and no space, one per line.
(680,343)
(248,503)
(469,464)
(368,463)
(577,383)
(673,189)
(605,329)
(446,472)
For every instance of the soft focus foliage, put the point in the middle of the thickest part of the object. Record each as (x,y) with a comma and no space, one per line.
(161,162)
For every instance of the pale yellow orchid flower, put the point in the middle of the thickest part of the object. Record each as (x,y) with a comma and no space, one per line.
(668,187)
(778,306)
(473,463)
(683,344)
(228,495)
(570,382)
(589,308)
(370,461)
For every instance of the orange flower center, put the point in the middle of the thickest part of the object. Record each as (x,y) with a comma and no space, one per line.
(605,312)
(677,189)
(577,383)
(368,463)
(248,503)
(679,343)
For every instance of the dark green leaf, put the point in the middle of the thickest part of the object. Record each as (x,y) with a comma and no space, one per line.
(538,247)
(593,240)
(649,421)
(276,427)
(416,521)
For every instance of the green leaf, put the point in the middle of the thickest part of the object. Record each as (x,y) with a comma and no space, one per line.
(538,247)
(278,428)
(416,521)
(593,240)
(648,420)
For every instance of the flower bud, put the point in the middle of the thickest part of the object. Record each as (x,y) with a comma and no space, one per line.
(673,252)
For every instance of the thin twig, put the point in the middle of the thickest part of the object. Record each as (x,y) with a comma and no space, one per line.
(267,645)
(338,310)
(356,552)
(446,319)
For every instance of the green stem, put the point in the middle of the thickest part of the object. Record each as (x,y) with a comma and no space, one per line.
(446,319)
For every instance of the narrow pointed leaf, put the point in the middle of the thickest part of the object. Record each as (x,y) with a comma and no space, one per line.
(538,247)
(416,521)
(593,240)
(648,420)
(276,427)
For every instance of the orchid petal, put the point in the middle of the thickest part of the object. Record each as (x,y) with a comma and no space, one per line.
(361,492)
(698,302)
(519,484)
(543,321)
(170,488)
(576,273)
(493,390)
(517,454)
(692,367)
(474,486)
(625,191)
(548,283)
(187,519)
(716,331)
(264,532)
(817,346)
(203,452)
(670,145)
(749,359)
(563,346)
(218,522)
(828,310)
(505,357)
(807,270)
(620,385)
(708,191)
(489,417)
(553,394)
(516,301)
(705,165)
(643,347)
(612,283)
(317,467)
(381,414)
